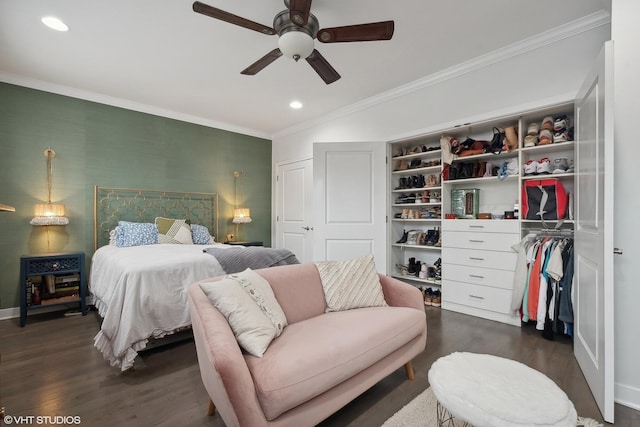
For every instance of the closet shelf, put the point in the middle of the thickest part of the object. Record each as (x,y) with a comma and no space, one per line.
(421,247)
(417,279)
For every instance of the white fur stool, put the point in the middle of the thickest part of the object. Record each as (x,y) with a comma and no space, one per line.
(487,390)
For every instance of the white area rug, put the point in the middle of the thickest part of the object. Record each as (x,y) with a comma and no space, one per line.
(421,412)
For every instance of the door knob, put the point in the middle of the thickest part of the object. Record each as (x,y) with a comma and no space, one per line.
(617,251)
(307,228)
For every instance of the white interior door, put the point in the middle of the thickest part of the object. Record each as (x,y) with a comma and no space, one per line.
(593,279)
(350,201)
(294,208)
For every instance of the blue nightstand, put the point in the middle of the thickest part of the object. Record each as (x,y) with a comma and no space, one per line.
(52,280)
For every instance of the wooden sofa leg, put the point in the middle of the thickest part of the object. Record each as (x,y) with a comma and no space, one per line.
(409,368)
(212,408)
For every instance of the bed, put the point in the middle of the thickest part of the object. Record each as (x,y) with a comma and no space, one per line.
(139,291)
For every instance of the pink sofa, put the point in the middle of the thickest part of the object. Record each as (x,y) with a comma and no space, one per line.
(321,361)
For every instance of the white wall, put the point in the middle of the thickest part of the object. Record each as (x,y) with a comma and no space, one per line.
(550,72)
(538,77)
(626,33)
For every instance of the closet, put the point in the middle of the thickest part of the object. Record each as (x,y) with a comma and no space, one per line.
(434,191)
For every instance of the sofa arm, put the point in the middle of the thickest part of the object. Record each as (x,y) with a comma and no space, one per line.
(400,294)
(223,369)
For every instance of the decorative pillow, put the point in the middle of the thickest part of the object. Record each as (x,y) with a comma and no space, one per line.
(200,235)
(136,234)
(173,231)
(250,325)
(112,236)
(351,284)
(260,291)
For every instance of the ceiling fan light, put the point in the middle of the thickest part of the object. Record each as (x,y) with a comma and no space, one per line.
(295,44)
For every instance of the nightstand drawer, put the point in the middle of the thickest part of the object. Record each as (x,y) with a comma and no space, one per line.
(482,241)
(478,276)
(483,297)
(479,258)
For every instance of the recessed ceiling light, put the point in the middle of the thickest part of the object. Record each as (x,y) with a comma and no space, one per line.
(54,23)
(296,105)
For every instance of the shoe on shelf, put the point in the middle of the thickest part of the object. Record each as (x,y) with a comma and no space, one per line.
(403,239)
(436,298)
(438,242)
(428,294)
(531,167)
(530,141)
(560,123)
(544,166)
(561,136)
(547,124)
(533,129)
(402,269)
(570,168)
(546,137)
(423,271)
(560,165)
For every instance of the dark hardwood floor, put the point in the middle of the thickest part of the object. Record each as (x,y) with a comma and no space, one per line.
(50,368)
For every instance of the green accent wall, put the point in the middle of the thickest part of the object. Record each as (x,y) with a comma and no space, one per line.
(97,144)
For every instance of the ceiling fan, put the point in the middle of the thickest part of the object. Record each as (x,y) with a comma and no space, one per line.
(297,28)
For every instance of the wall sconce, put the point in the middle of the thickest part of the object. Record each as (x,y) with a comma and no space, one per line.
(6,208)
(240,215)
(48,213)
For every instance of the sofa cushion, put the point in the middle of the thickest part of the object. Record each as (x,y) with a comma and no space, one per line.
(250,325)
(314,355)
(351,284)
(260,291)
(297,288)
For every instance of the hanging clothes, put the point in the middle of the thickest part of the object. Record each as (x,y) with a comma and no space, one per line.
(543,283)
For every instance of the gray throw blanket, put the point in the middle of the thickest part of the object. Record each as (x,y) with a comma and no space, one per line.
(234,260)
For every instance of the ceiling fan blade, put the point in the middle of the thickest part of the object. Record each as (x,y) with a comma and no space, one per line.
(299,11)
(262,62)
(357,33)
(213,12)
(322,67)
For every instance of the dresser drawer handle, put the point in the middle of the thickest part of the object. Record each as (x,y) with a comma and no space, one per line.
(476,259)
(476,241)
(476,296)
(476,276)
(476,226)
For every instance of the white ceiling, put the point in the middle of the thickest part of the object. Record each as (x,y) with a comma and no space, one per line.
(161,57)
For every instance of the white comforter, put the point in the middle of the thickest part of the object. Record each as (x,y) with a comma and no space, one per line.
(141,292)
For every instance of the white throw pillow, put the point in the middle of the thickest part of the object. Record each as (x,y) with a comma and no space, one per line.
(260,291)
(250,325)
(351,284)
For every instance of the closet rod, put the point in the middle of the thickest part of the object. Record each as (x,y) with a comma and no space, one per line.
(549,232)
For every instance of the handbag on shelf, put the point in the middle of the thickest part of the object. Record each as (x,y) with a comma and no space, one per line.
(497,142)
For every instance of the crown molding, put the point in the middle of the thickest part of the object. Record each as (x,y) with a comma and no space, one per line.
(571,29)
(124,103)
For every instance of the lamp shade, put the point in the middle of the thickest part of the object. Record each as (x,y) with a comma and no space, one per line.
(49,214)
(241,215)
(6,208)
(295,44)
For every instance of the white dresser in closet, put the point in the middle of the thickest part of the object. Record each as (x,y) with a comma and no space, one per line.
(478,265)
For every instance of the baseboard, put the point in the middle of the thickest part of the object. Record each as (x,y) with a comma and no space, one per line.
(13,312)
(627,396)
(9,313)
